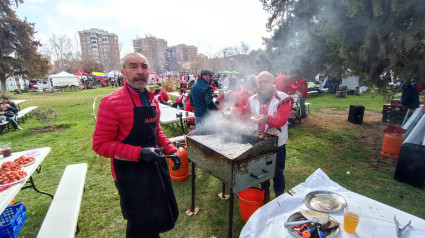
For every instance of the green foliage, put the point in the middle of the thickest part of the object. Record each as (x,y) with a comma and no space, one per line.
(18,49)
(46,115)
(332,36)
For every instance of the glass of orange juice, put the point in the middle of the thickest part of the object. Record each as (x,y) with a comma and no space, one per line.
(351,220)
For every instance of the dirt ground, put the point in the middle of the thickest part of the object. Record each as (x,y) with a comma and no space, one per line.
(371,130)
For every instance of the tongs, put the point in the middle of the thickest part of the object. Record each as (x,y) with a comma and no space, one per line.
(400,231)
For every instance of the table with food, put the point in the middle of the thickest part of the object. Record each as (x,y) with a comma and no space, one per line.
(16,169)
(319,207)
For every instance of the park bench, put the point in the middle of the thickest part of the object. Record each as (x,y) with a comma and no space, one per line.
(21,115)
(3,126)
(25,112)
(62,216)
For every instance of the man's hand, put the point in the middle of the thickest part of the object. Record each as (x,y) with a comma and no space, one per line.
(150,154)
(261,119)
(177,161)
(228,111)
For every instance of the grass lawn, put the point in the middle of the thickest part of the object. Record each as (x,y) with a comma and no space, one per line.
(334,150)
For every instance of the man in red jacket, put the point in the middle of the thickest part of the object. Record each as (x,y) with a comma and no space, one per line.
(128,132)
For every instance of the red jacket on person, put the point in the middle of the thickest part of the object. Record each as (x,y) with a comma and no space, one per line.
(164,96)
(179,99)
(114,123)
(189,108)
(302,87)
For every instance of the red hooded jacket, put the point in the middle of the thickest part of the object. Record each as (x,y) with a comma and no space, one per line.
(114,123)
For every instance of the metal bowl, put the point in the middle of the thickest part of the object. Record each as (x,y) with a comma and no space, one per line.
(329,232)
(325,201)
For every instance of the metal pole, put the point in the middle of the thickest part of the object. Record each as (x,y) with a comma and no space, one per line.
(229,233)
(192,209)
(223,191)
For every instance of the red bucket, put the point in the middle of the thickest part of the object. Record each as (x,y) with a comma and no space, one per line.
(249,201)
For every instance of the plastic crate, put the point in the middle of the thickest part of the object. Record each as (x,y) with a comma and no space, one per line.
(12,220)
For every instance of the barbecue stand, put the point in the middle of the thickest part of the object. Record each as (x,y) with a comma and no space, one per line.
(253,163)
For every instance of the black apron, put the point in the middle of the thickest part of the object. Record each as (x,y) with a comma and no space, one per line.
(145,189)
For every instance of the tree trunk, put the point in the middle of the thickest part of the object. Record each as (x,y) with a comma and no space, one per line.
(3,87)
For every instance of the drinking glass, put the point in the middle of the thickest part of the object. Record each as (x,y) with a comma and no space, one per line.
(351,220)
(5,149)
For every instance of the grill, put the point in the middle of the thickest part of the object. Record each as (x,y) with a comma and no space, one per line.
(240,158)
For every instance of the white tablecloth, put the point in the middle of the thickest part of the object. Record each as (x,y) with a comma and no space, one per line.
(169,114)
(376,219)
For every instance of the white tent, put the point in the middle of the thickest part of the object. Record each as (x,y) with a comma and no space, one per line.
(63,79)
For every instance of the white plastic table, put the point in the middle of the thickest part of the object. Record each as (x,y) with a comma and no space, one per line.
(169,116)
(7,195)
(376,219)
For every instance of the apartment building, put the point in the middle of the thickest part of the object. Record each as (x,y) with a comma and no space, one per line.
(100,45)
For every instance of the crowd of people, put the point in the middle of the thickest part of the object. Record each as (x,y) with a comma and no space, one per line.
(9,112)
(128,132)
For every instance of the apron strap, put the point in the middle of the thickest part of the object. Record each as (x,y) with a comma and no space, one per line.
(131,96)
(150,101)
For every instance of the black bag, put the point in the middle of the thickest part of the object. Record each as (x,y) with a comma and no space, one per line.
(411,165)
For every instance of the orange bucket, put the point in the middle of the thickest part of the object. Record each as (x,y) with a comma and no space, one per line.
(170,88)
(249,201)
(391,145)
(183,172)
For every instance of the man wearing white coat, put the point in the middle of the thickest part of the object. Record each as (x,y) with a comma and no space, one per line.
(269,110)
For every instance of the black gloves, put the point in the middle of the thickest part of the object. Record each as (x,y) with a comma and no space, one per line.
(176,159)
(151,154)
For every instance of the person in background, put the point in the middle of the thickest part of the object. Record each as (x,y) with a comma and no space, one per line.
(249,87)
(5,100)
(233,93)
(128,131)
(189,108)
(179,100)
(164,94)
(269,110)
(158,97)
(302,89)
(202,97)
(10,113)
(215,82)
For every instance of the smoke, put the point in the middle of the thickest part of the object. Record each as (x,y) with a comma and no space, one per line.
(225,128)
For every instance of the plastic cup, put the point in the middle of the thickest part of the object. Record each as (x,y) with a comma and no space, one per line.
(5,149)
(351,220)
(186,113)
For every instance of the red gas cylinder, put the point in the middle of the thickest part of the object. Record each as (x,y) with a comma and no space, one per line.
(391,144)
(182,173)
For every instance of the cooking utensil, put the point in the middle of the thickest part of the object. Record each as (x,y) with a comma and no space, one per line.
(400,231)
(329,232)
(296,223)
(325,201)
(323,218)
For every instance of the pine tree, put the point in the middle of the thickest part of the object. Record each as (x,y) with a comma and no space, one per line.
(18,49)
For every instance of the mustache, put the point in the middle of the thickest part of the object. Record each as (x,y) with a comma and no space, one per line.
(140,78)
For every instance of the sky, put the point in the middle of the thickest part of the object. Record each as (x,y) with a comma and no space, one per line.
(209,25)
